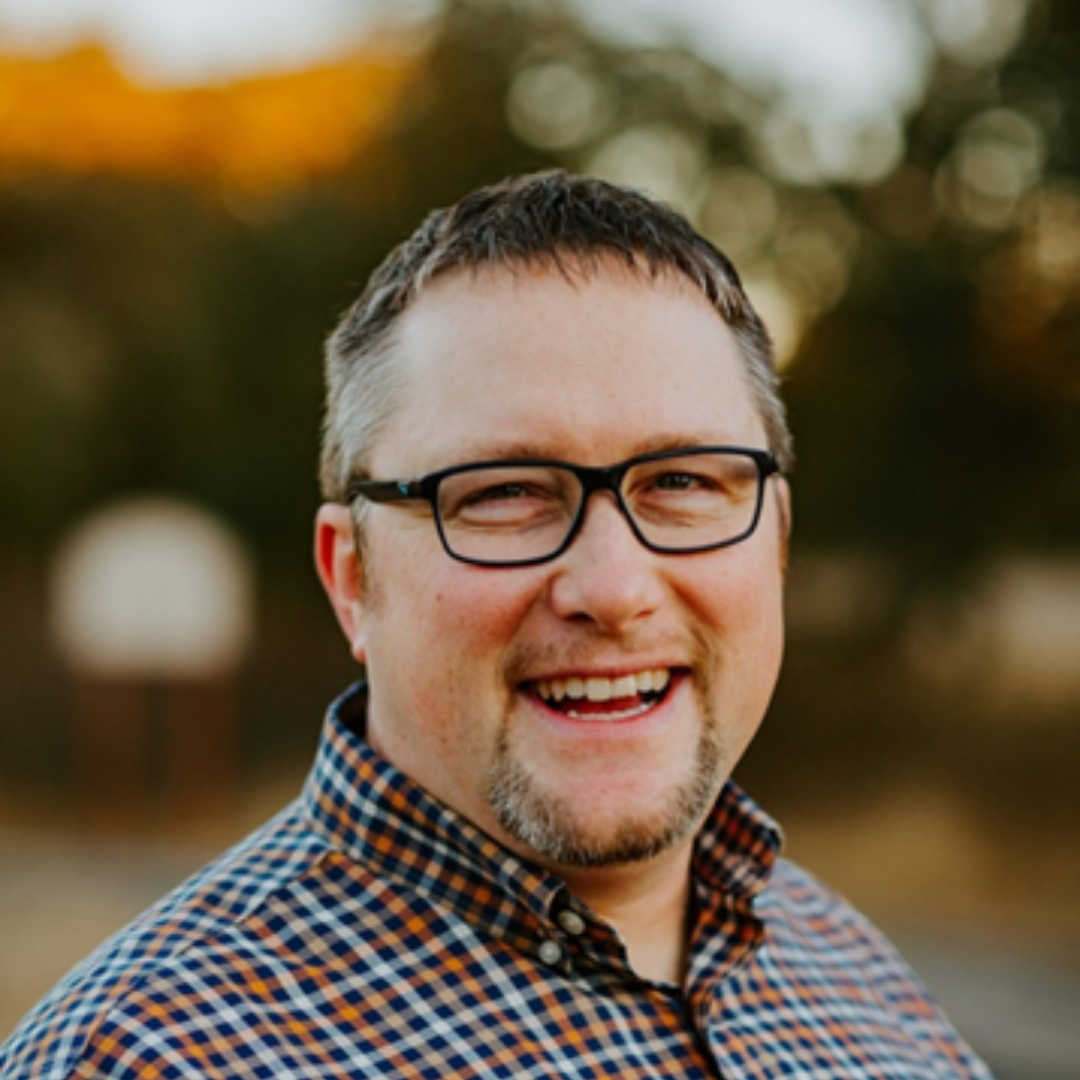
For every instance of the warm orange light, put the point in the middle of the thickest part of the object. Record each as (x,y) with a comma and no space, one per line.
(78,112)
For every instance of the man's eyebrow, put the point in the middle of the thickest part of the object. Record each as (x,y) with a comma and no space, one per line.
(501,451)
(661,443)
(656,444)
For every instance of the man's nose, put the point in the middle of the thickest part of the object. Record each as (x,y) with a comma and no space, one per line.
(606,576)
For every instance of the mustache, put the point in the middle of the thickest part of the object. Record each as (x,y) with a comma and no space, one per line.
(526,661)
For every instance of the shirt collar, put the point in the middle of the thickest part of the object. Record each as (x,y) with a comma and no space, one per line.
(373,812)
(382,819)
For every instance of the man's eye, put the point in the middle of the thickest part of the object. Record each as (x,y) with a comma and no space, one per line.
(681,481)
(504,502)
(505,492)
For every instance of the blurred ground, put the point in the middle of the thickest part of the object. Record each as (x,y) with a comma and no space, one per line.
(1008,971)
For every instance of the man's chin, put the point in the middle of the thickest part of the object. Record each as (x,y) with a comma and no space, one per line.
(554,830)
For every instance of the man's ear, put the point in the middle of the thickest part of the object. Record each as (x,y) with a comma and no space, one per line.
(337,560)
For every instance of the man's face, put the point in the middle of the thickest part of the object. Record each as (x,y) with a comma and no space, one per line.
(464,661)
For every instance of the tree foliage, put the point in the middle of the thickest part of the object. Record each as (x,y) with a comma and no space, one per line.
(164,331)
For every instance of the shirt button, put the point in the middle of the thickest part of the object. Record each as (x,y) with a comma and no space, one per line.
(550,952)
(571,922)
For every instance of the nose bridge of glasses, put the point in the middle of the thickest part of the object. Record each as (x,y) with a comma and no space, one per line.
(601,478)
(607,478)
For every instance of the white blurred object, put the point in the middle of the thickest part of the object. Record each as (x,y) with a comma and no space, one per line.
(153,587)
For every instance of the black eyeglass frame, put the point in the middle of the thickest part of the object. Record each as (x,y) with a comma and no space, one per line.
(592,480)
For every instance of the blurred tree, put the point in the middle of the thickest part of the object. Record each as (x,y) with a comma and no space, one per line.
(938,405)
(164,330)
(937,413)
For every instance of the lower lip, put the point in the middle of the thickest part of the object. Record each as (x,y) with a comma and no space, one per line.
(647,722)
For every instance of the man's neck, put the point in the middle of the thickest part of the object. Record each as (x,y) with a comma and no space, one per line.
(649,905)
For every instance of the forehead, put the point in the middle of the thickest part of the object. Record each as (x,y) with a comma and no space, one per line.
(591,367)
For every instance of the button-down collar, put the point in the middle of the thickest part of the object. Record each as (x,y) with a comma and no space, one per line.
(385,822)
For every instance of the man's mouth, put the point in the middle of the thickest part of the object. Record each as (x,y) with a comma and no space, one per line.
(603,699)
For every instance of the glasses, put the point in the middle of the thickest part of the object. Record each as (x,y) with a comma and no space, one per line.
(528,510)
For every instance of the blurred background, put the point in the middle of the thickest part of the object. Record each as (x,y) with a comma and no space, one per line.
(190,194)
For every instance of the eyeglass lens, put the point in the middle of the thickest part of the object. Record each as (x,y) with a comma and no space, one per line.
(508,513)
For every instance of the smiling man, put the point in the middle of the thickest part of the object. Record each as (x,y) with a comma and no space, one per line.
(555,534)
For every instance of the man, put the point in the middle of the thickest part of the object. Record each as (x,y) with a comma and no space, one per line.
(555,535)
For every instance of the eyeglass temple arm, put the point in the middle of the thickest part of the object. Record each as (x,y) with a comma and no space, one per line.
(384,491)
(768,463)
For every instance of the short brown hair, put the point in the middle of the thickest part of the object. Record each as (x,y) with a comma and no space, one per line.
(550,219)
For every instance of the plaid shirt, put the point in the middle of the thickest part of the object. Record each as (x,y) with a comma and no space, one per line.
(368,931)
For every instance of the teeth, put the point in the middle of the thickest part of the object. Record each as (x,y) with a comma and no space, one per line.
(597,688)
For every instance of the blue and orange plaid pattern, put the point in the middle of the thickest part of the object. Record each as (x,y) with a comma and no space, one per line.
(368,931)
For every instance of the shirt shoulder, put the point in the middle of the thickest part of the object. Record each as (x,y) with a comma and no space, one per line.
(803,912)
(198,917)
(822,947)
